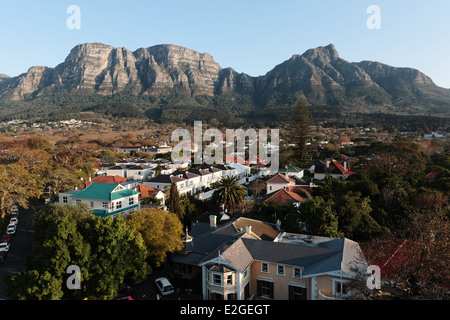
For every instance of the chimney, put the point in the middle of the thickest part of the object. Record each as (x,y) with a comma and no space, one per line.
(345,165)
(328,163)
(212,222)
(248,229)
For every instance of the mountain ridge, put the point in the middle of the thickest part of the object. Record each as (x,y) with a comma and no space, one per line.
(319,75)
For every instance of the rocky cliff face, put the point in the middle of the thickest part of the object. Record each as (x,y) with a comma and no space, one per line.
(319,75)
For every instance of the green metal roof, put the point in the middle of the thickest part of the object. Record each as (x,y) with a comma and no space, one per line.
(105,213)
(290,168)
(103,192)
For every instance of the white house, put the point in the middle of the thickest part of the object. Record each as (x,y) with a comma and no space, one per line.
(279,181)
(105,199)
(138,171)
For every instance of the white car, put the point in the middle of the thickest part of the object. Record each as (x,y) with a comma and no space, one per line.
(4,246)
(14,221)
(164,286)
(11,229)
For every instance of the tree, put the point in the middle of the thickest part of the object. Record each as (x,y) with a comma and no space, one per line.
(415,263)
(229,193)
(256,187)
(108,157)
(107,251)
(17,186)
(117,253)
(33,285)
(320,218)
(161,232)
(300,134)
(174,200)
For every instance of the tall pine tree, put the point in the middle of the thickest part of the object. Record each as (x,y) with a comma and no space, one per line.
(174,200)
(300,135)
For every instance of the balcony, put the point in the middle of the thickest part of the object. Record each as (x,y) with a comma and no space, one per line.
(328,296)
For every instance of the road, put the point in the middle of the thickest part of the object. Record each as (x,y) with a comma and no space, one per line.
(21,247)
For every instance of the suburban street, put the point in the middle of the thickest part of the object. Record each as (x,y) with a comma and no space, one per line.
(21,247)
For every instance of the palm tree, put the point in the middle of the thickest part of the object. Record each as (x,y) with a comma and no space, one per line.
(229,193)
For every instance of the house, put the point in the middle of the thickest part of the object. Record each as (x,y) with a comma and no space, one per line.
(249,259)
(117,170)
(163,181)
(146,191)
(138,171)
(105,199)
(284,197)
(279,181)
(292,171)
(331,168)
(108,179)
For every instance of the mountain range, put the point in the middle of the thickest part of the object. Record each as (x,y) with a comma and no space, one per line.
(171,81)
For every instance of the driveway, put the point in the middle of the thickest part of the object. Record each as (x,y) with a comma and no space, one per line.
(21,247)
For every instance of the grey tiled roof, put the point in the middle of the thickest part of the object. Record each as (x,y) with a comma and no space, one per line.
(239,249)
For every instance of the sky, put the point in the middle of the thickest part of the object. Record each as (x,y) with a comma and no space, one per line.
(250,36)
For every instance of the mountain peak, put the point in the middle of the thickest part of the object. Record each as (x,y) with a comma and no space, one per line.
(328,52)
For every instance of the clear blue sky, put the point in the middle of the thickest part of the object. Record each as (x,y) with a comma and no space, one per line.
(251,36)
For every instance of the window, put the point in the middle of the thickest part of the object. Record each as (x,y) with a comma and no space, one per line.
(130,201)
(78,201)
(92,204)
(264,267)
(340,288)
(230,279)
(265,289)
(105,205)
(297,293)
(64,199)
(217,279)
(280,270)
(298,272)
(118,204)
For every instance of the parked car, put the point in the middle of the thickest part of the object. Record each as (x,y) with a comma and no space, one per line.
(14,220)
(6,238)
(4,246)
(164,286)
(11,229)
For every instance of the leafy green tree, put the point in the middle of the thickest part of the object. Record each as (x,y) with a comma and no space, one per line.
(320,218)
(107,156)
(229,193)
(117,252)
(17,186)
(161,232)
(33,285)
(106,250)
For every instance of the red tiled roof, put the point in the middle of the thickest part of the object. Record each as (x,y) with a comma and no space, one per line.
(334,168)
(108,179)
(284,197)
(280,178)
(146,191)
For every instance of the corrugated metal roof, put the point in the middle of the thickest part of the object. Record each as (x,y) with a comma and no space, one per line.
(103,192)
